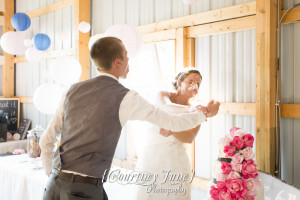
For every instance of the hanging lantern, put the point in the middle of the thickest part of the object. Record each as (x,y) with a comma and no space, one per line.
(41,41)
(66,70)
(46,98)
(13,42)
(94,38)
(84,27)
(130,36)
(189,2)
(33,55)
(28,43)
(20,21)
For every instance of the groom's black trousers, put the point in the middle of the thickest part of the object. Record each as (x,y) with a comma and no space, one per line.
(61,187)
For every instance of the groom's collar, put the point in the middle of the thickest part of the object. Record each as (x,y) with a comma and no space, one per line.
(109,75)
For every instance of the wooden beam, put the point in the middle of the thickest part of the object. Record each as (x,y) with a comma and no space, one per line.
(292,16)
(230,25)
(47,55)
(237,11)
(25,99)
(51,8)
(8,76)
(200,183)
(2,60)
(247,109)
(2,5)
(266,25)
(181,49)
(159,36)
(190,52)
(82,13)
(290,110)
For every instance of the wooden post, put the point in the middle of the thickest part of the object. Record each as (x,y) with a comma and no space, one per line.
(8,70)
(82,13)
(266,23)
(181,49)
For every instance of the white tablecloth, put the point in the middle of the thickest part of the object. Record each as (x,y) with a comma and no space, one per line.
(21,178)
(12,145)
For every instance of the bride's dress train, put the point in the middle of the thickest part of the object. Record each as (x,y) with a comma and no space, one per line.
(167,158)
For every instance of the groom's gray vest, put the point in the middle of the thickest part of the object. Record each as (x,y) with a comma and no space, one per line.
(91,126)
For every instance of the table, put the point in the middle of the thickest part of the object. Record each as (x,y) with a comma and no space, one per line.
(9,146)
(21,178)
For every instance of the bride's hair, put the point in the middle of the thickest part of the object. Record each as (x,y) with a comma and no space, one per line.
(182,75)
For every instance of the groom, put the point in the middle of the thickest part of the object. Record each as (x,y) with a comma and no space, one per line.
(90,118)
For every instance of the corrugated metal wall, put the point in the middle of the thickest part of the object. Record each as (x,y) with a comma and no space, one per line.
(290,93)
(227,64)
(226,61)
(29,76)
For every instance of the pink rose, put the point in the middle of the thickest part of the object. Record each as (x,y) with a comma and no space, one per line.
(226,168)
(221,185)
(247,153)
(222,177)
(229,150)
(249,169)
(249,198)
(224,195)
(242,198)
(236,166)
(252,186)
(232,131)
(238,158)
(237,187)
(223,142)
(237,142)
(234,175)
(248,140)
(214,192)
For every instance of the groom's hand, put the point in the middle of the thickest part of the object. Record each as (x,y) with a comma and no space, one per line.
(213,108)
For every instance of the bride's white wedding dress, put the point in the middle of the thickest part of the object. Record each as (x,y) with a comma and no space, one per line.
(166,159)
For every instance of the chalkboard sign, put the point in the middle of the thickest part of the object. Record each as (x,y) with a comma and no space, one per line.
(23,128)
(11,107)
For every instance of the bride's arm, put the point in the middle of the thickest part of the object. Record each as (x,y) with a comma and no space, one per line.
(164,102)
(183,136)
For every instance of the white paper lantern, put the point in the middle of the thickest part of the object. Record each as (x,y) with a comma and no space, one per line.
(46,98)
(61,36)
(189,2)
(13,42)
(94,38)
(84,27)
(28,42)
(130,36)
(33,55)
(66,70)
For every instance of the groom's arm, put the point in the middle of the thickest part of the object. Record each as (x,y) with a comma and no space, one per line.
(48,138)
(135,107)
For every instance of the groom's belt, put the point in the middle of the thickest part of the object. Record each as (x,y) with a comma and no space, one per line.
(77,178)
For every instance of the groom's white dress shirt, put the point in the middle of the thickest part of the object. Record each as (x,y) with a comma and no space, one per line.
(132,107)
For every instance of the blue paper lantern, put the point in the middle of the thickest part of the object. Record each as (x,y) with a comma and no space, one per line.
(41,41)
(20,21)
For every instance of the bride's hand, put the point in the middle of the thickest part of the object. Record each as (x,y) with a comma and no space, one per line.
(165,132)
(203,109)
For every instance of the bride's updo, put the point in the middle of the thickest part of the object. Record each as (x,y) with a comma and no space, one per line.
(182,75)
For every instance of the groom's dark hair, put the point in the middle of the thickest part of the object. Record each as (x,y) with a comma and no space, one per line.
(104,51)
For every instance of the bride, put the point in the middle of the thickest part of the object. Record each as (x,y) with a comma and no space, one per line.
(164,160)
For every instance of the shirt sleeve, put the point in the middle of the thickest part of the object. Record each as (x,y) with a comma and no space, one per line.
(48,138)
(135,107)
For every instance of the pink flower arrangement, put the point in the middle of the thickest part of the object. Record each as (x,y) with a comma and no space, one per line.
(239,171)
